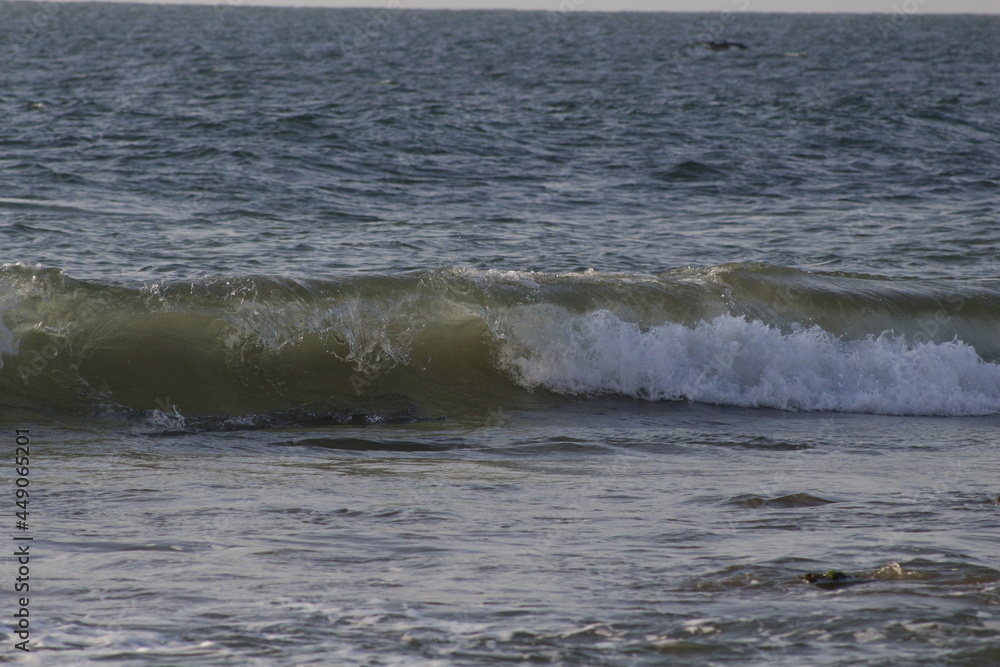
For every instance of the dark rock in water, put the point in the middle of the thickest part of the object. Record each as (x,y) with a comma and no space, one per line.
(833,579)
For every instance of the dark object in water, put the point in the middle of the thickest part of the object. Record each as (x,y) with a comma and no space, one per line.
(832,579)
(724,46)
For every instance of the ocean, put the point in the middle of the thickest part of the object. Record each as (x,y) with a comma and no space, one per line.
(396,337)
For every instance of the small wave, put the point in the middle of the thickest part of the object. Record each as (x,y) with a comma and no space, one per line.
(787,501)
(363,445)
(690,170)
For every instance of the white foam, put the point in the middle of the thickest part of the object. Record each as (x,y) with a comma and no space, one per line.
(732,361)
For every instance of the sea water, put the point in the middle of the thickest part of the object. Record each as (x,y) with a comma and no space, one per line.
(396,337)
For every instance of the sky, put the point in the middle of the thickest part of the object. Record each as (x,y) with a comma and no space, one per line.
(864,6)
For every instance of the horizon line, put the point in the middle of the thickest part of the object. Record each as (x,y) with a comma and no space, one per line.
(397,6)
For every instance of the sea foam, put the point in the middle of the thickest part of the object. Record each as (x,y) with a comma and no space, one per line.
(730,360)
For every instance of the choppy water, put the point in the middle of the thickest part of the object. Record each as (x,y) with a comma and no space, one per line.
(397,337)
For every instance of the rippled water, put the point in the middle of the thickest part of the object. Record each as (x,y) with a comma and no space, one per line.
(183,140)
(604,532)
(459,338)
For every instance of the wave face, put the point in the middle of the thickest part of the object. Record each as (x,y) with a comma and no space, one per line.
(456,340)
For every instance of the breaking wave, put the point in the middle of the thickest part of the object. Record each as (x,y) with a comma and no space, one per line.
(457,339)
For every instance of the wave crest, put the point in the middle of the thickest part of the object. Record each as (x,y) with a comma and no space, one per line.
(733,361)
